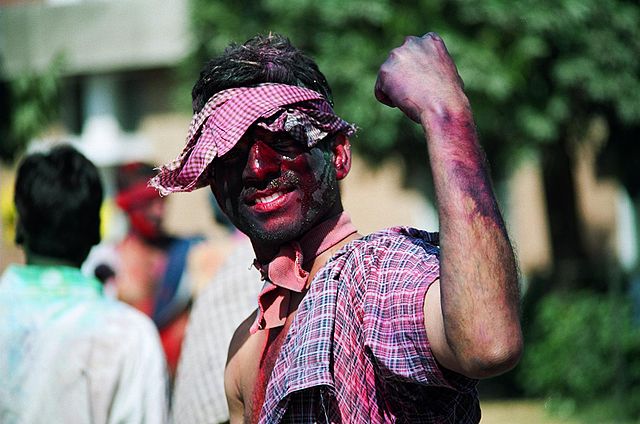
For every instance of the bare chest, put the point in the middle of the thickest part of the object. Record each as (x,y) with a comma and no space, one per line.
(262,350)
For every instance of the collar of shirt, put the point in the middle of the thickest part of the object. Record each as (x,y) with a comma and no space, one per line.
(50,281)
(285,272)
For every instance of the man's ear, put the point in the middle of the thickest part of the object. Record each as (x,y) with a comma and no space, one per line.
(341,156)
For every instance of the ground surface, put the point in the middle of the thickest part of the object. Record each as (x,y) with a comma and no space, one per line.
(518,412)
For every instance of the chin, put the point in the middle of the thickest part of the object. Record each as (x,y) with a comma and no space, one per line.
(283,227)
(275,234)
(278,231)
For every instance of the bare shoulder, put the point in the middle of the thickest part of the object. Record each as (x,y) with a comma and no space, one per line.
(238,343)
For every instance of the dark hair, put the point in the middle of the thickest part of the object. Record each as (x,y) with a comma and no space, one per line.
(58,197)
(263,58)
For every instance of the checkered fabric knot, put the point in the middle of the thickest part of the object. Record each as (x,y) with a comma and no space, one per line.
(217,128)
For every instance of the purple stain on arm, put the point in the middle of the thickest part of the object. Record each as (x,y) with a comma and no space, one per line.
(475,183)
(469,170)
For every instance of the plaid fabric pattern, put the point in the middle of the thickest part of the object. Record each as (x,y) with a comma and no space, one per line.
(357,350)
(301,112)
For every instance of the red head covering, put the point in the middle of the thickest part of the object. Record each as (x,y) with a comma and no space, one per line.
(134,195)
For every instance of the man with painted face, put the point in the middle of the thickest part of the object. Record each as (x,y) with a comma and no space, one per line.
(397,325)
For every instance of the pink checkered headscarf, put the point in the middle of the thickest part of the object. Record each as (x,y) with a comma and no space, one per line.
(303,113)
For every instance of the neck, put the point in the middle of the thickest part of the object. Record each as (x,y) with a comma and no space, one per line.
(319,261)
(317,244)
(266,251)
(42,260)
(160,241)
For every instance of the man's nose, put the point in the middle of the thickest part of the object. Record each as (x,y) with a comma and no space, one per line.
(262,162)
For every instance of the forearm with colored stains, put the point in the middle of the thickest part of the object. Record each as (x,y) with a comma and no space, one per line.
(478,280)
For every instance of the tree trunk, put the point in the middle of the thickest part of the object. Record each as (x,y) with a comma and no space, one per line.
(570,266)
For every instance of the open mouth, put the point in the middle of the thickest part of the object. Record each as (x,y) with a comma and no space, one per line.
(268,199)
(272,202)
(269,194)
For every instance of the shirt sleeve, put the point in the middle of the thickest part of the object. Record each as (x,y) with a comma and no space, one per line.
(398,272)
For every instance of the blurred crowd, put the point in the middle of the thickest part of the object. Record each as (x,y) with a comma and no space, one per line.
(117,331)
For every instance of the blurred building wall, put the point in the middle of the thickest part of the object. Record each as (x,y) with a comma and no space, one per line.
(118,56)
(96,37)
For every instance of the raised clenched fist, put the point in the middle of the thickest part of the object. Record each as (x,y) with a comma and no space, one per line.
(420,77)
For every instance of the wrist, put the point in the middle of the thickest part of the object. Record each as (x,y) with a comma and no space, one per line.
(441,119)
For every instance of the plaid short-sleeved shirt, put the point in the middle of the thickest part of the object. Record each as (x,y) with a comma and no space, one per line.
(357,351)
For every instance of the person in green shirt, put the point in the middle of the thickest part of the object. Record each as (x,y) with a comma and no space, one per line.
(69,354)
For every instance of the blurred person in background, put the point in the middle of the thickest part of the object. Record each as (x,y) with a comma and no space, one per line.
(147,268)
(226,295)
(398,325)
(68,354)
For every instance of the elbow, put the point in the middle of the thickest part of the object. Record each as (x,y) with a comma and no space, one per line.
(494,359)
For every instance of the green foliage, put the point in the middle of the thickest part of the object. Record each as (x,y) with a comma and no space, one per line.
(536,72)
(33,105)
(583,352)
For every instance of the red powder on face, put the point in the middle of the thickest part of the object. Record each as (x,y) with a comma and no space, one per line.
(266,163)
